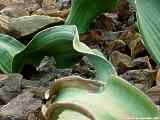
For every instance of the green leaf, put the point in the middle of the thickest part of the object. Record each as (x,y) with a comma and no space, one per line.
(97,100)
(78,98)
(61,42)
(148,15)
(56,42)
(9,47)
(83,12)
(103,67)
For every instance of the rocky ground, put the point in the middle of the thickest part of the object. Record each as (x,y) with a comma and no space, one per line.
(113,33)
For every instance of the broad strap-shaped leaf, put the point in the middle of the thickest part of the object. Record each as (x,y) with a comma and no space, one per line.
(98,100)
(61,42)
(148,14)
(55,41)
(9,47)
(83,99)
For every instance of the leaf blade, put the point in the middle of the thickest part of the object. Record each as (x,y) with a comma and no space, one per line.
(112,101)
(149,26)
(8,48)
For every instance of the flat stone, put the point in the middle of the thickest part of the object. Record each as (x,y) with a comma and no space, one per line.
(115,45)
(14,11)
(6,2)
(122,9)
(10,87)
(4,24)
(30,24)
(26,25)
(136,45)
(48,4)
(23,103)
(63,3)
(52,12)
(154,94)
(121,61)
(110,36)
(141,62)
(133,41)
(27,5)
(105,22)
(143,76)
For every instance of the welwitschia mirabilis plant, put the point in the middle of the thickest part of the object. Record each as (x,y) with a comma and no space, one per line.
(83,12)
(108,95)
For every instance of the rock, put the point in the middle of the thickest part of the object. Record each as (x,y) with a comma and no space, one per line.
(63,4)
(48,4)
(4,24)
(110,36)
(10,87)
(133,40)
(29,24)
(115,45)
(31,5)
(139,86)
(106,22)
(52,12)
(120,61)
(2,6)
(123,10)
(23,26)
(84,69)
(39,2)
(62,72)
(5,117)
(6,2)
(93,39)
(143,76)
(28,84)
(136,45)
(25,5)
(14,11)
(47,64)
(154,94)
(49,72)
(35,115)
(24,103)
(141,62)
(31,116)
